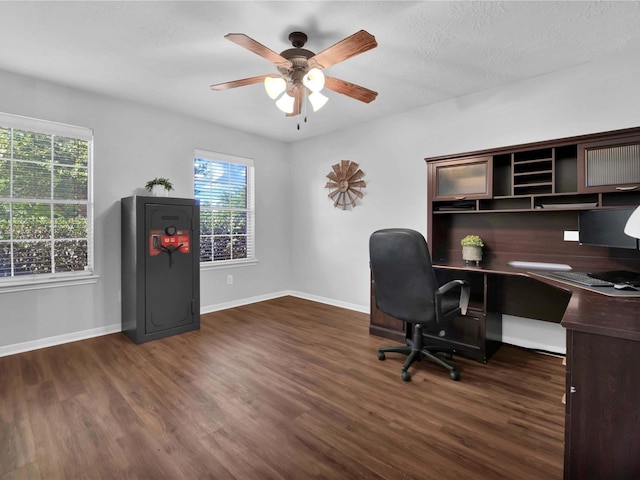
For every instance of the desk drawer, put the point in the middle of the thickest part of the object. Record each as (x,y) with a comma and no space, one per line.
(466,330)
(465,335)
(475,335)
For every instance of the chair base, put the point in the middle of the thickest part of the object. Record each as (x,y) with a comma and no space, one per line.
(416,351)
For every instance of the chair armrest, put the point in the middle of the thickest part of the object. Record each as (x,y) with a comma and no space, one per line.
(465,294)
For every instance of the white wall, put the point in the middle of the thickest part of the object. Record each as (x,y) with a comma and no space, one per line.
(133,144)
(329,246)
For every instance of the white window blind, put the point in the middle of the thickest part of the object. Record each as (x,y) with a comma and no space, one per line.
(224,186)
(46,227)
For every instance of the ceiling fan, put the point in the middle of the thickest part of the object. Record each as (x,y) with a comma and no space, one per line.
(301,71)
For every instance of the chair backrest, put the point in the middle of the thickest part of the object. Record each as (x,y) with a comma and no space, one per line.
(403,277)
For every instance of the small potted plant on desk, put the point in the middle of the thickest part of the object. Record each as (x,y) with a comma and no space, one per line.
(159,187)
(472,249)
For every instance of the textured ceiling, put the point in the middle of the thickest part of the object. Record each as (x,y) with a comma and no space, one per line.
(167,54)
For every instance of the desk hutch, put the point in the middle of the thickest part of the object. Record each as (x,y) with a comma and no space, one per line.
(520,200)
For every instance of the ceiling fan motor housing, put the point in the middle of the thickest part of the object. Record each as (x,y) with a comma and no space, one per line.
(298,39)
(298,57)
(299,68)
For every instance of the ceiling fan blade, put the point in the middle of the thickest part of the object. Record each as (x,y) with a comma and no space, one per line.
(350,89)
(297,102)
(351,46)
(238,83)
(256,47)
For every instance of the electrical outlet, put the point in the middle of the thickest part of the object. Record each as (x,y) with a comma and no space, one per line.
(229,279)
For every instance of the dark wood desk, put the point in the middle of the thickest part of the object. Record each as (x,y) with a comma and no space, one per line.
(602,424)
(523,200)
(496,289)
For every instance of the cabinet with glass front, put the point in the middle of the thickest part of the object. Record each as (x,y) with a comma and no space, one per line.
(463,179)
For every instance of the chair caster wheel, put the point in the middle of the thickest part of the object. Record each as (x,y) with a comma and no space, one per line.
(406,376)
(454,375)
(381,356)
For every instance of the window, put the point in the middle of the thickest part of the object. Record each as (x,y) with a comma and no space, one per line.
(224,186)
(45,211)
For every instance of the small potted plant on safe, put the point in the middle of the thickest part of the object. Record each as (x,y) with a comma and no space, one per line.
(159,187)
(472,249)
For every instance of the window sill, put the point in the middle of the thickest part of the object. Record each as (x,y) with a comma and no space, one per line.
(41,283)
(228,264)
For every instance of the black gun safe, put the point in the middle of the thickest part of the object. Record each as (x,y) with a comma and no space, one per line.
(160,267)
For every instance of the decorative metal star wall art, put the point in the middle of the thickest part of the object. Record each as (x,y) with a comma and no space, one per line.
(345,184)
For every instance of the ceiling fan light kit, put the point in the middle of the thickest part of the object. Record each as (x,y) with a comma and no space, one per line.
(301,71)
(317,100)
(286,103)
(314,80)
(274,86)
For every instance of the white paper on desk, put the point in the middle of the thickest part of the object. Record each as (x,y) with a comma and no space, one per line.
(540,265)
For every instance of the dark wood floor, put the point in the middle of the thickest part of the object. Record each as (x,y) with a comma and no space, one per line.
(283,389)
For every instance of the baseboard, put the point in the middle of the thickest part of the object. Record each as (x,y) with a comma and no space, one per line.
(284,293)
(241,302)
(58,340)
(96,332)
(330,301)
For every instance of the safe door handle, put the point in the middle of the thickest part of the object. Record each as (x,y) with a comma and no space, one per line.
(170,251)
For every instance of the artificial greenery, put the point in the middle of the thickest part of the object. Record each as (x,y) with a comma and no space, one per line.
(471,241)
(159,181)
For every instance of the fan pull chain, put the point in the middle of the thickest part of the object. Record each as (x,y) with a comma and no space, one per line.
(304,105)
(304,108)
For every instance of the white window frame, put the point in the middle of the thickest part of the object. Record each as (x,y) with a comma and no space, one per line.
(49,280)
(251,243)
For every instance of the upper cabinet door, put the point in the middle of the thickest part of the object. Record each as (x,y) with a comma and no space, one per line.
(461,179)
(609,166)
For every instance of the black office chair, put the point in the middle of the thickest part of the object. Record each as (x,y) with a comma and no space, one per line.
(406,288)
